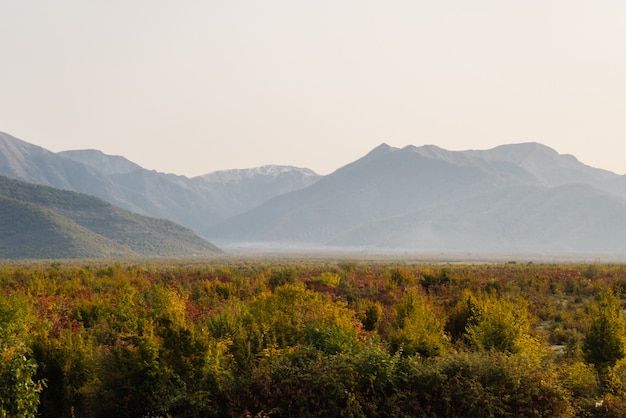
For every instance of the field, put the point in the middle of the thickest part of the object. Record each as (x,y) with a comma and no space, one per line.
(293,338)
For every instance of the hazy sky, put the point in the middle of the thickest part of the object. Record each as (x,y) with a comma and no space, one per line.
(194,86)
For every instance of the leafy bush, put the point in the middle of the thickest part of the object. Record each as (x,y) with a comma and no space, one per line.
(19,392)
(417,327)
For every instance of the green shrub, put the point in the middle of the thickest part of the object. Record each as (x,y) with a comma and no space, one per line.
(417,327)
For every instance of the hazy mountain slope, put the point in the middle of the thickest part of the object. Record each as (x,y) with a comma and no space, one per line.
(427,198)
(27,162)
(171,197)
(196,203)
(615,185)
(572,218)
(96,227)
(386,182)
(243,189)
(200,202)
(151,193)
(547,166)
(105,164)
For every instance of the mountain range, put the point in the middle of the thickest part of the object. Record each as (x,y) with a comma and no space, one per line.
(513,198)
(197,203)
(523,198)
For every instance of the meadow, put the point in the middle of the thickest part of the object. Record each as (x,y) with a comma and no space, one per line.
(238,337)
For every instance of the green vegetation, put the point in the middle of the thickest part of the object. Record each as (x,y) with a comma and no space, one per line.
(41,222)
(301,338)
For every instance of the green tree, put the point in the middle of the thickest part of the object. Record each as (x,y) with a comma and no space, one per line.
(499,324)
(603,345)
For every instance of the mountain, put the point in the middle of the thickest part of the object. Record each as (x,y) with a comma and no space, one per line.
(34,164)
(574,218)
(197,203)
(513,198)
(520,197)
(45,222)
(239,190)
(546,165)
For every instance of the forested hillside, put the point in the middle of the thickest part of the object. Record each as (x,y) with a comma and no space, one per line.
(304,338)
(43,222)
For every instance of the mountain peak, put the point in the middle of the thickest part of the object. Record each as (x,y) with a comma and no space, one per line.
(382,149)
(262,171)
(379,151)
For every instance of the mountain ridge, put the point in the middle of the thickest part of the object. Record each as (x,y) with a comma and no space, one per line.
(193,202)
(420,197)
(414,187)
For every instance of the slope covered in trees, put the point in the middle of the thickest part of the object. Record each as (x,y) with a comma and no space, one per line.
(44,222)
(283,339)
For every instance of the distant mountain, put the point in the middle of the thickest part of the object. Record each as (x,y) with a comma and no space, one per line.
(573,218)
(197,203)
(546,165)
(239,190)
(521,197)
(31,163)
(45,222)
(515,198)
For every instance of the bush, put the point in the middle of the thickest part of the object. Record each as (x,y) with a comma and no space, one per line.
(19,392)
(477,385)
(499,324)
(417,327)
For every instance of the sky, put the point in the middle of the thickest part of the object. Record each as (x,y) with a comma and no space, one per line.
(194,86)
